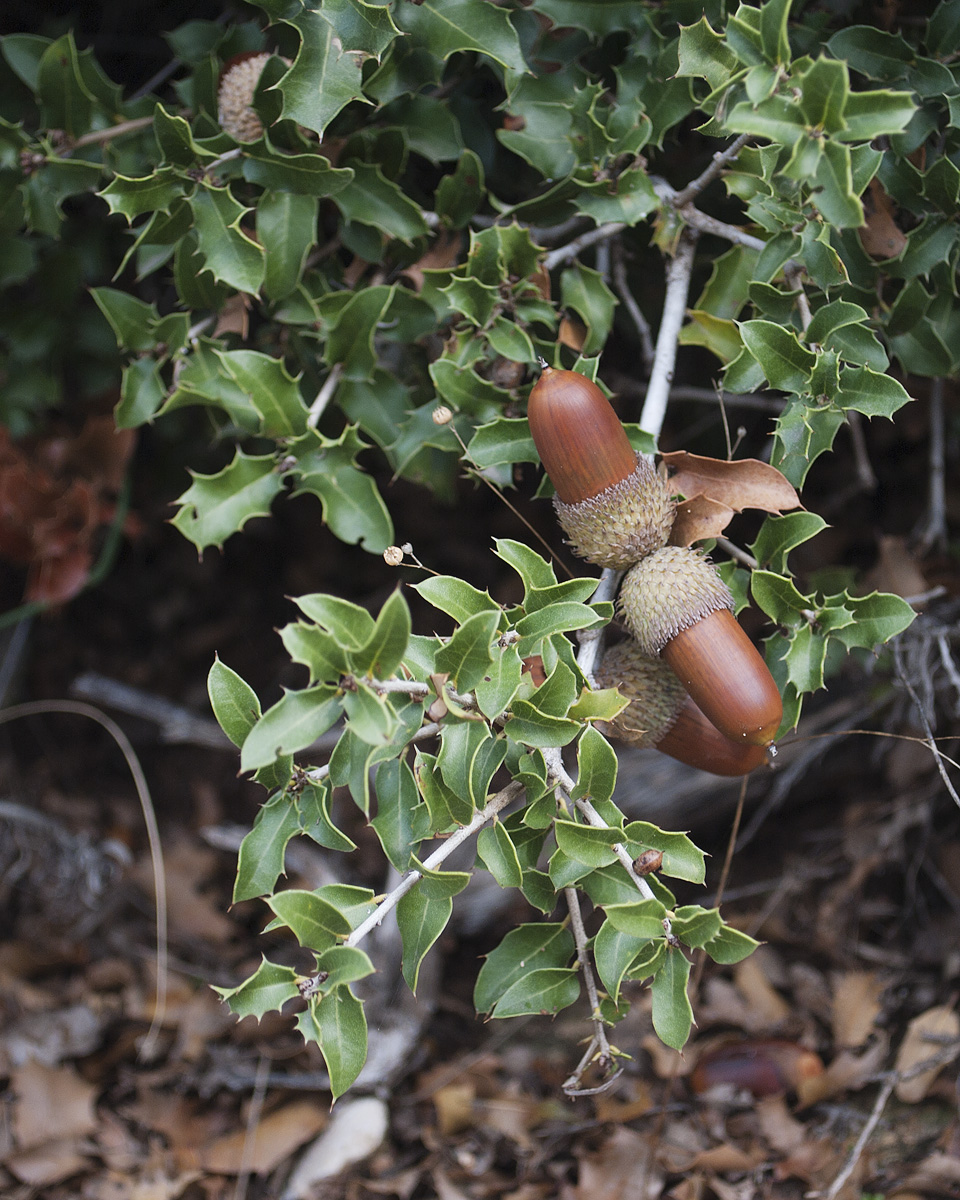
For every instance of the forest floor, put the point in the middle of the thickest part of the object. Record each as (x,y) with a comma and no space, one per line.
(805,1075)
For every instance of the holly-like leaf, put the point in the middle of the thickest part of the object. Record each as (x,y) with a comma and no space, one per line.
(420,921)
(672,1012)
(451,26)
(234,702)
(215,506)
(265,991)
(230,254)
(291,724)
(324,77)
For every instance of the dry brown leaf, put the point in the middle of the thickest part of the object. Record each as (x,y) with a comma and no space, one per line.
(47,1164)
(234,316)
(356,1129)
(698,519)
(454,1105)
(275,1138)
(743,483)
(667,1063)
(615,1171)
(728,1157)
(52,1104)
(856,1006)
(443,253)
(756,989)
(848,1072)
(781,1130)
(572,333)
(937,1175)
(881,236)
(192,911)
(925,1035)
(896,570)
(612,1110)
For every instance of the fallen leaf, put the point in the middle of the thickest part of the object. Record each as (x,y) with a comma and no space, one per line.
(781,1130)
(896,570)
(856,1006)
(442,254)
(454,1105)
(620,1169)
(51,1104)
(356,1129)
(925,1035)
(274,1139)
(47,1164)
(761,996)
(743,483)
(847,1072)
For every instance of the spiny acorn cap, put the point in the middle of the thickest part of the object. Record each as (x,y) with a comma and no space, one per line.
(656,694)
(668,591)
(611,502)
(235,97)
(624,523)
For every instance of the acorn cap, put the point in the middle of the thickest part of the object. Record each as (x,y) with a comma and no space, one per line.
(669,591)
(238,83)
(656,694)
(610,500)
(624,522)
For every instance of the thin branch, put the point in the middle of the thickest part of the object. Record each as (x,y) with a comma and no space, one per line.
(591,640)
(933,532)
(570,251)
(632,307)
(720,160)
(792,272)
(324,396)
(735,552)
(35,708)
(665,357)
(866,478)
(599,1040)
(731,399)
(704,223)
(443,851)
(96,136)
(423,734)
(930,739)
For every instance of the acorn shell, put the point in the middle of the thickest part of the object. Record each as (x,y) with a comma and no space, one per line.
(623,523)
(669,591)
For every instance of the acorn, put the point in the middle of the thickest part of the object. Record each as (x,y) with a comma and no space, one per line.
(677,606)
(238,83)
(662,715)
(611,502)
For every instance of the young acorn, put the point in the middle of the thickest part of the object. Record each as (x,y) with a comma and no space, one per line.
(678,608)
(662,715)
(611,502)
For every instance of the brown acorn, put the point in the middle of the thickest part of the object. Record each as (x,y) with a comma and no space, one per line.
(610,501)
(662,714)
(678,607)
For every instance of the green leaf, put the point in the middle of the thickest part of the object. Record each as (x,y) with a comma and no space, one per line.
(141,393)
(805,659)
(262,851)
(343,964)
(350,335)
(587,844)
(402,819)
(469,755)
(681,858)
(451,26)
(534,728)
(321,652)
(274,393)
(337,1023)
(597,763)
(613,952)
(466,657)
(586,292)
(313,810)
(287,229)
(372,199)
(672,1013)
(215,506)
(323,79)
(230,254)
(779,119)
(779,535)
(352,506)
(500,684)
(498,854)
(704,54)
(641,919)
(421,921)
(730,946)
(695,926)
(455,597)
(315,923)
(779,598)
(876,618)
(824,90)
(871,393)
(383,651)
(131,320)
(267,990)
(785,362)
(360,25)
(370,716)
(836,199)
(532,568)
(349,623)
(291,724)
(504,440)
(543,992)
(234,702)
(524,949)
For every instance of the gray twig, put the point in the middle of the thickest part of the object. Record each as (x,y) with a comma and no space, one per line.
(665,356)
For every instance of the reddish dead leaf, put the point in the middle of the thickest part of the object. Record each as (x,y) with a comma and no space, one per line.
(698,519)
(234,316)
(572,333)
(881,236)
(275,1138)
(513,121)
(743,483)
(763,1067)
(856,1006)
(728,1157)
(443,253)
(926,1034)
(533,667)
